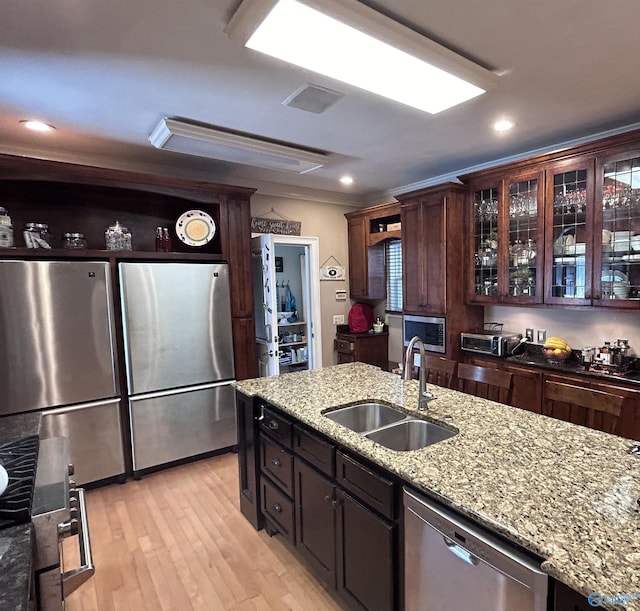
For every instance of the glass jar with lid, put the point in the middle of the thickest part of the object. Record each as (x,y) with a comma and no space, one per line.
(74,241)
(117,237)
(37,235)
(6,229)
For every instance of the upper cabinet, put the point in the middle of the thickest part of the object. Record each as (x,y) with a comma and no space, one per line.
(570,232)
(561,229)
(617,229)
(433,255)
(367,230)
(506,217)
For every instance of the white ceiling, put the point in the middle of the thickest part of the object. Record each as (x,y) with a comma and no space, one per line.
(105,73)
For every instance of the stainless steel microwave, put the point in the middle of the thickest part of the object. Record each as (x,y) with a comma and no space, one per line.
(430,329)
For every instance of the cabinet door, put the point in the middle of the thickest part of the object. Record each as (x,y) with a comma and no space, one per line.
(617,254)
(424,256)
(522,239)
(485,243)
(569,233)
(248,458)
(316,520)
(365,571)
(366,264)
(413,252)
(567,599)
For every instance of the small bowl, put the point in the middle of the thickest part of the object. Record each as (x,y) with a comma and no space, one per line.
(555,359)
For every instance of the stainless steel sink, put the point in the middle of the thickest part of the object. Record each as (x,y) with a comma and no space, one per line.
(410,435)
(365,417)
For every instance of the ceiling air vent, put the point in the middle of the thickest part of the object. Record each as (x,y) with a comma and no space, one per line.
(313,98)
(208,141)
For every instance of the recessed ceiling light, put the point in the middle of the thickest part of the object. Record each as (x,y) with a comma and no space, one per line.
(503,125)
(37,126)
(346,180)
(349,41)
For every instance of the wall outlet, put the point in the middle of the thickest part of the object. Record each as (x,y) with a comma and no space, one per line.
(338,319)
(541,334)
(528,333)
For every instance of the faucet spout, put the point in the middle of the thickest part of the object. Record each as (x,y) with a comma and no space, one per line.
(423,395)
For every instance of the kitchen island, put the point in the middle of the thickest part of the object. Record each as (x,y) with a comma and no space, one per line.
(566,493)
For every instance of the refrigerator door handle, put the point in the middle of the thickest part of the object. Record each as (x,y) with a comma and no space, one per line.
(179,391)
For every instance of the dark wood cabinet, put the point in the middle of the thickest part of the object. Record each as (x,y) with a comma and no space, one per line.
(567,599)
(366,548)
(433,248)
(367,231)
(340,513)
(576,210)
(372,348)
(316,520)
(247,414)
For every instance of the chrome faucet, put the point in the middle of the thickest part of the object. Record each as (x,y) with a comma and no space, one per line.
(423,396)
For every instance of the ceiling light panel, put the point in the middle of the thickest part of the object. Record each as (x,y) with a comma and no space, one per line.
(350,42)
(207,141)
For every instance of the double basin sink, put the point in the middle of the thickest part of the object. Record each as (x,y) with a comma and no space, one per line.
(389,427)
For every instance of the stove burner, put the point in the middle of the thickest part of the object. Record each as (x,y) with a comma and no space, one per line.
(20,459)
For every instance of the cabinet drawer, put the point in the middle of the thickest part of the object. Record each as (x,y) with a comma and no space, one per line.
(277,463)
(275,425)
(277,509)
(320,453)
(375,490)
(341,345)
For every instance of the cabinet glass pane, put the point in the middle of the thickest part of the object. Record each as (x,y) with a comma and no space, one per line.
(621,230)
(523,227)
(485,214)
(569,234)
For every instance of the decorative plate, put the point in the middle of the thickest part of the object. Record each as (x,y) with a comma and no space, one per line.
(195,228)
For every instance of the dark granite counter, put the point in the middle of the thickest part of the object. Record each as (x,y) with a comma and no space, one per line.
(16,542)
(17,426)
(15,567)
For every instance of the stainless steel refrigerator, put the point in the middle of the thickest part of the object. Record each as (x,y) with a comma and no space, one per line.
(179,360)
(58,356)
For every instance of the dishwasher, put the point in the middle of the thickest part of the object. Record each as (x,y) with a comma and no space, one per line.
(452,564)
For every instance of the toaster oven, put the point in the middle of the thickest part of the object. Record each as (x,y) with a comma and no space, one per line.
(490,342)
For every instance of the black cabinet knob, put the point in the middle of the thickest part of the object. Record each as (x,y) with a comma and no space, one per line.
(275,462)
(277,507)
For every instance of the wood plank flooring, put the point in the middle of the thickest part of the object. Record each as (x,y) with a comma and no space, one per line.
(176,541)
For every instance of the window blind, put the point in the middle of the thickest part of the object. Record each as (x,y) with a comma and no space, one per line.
(393,268)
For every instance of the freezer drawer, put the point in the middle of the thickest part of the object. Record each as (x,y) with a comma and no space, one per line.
(177,325)
(95,438)
(180,424)
(56,342)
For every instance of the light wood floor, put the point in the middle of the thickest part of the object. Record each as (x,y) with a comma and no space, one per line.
(176,540)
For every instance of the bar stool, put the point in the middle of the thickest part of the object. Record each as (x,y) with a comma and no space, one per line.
(593,408)
(485,382)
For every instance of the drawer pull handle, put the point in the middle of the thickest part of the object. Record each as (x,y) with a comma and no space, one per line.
(273,425)
(275,462)
(277,507)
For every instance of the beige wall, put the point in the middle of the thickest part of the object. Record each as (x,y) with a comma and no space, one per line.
(327,223)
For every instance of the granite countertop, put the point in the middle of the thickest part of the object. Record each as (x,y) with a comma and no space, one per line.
(565,492)
(16,542)
(15,567)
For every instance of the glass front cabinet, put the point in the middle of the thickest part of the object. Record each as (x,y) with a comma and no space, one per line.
(561,232)
(617,227)
(569,229)
(507,220)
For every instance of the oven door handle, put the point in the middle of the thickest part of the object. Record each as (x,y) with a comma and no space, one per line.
(73,579)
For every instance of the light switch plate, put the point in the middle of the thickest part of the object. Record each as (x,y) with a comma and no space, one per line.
(528,333)
(541,335)
(338,319)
